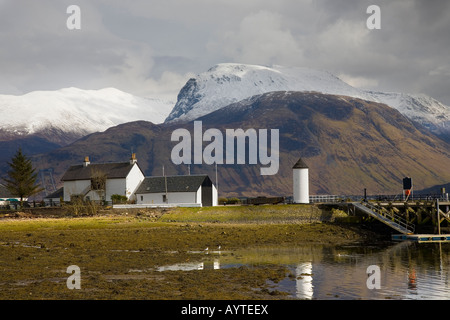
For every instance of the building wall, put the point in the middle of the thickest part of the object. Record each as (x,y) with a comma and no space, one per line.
(173,197)
(215,196)
(133,181)
(75,187)
(79,187)
(114,186)
(176,197)
(301,185)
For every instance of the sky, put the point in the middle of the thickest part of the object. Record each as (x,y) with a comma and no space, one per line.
(151,48)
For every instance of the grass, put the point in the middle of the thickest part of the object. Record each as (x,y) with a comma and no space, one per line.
(65,223)
(246,214)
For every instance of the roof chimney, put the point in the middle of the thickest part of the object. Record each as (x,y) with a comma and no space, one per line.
(133,159)
(86,162)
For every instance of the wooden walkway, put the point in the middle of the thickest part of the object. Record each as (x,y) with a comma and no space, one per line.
(394,221)
(422,238)
(401,225)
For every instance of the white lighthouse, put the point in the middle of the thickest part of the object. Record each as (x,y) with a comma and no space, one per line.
(300,173)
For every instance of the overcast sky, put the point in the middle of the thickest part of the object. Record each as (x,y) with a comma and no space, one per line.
(151,48)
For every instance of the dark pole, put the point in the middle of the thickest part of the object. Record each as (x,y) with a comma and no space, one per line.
(438,218)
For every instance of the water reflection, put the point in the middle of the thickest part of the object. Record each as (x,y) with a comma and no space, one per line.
(408,270)
(189,266)
(304,281)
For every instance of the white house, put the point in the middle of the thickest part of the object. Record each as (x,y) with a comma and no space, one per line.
(195,190)
(101,181)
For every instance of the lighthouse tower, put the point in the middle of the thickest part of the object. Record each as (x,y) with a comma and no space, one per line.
(301,182)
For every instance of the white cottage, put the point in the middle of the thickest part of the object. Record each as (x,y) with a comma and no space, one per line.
(101,181)
(195,190)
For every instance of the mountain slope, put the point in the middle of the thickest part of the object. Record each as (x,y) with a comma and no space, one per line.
(74,112)
(229,83)
(349,144)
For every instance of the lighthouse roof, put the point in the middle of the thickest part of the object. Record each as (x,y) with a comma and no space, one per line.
(300,164)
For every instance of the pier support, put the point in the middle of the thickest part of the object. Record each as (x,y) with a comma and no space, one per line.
(438,220)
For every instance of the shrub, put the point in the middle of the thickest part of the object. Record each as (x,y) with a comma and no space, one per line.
(229,201)
(117,198)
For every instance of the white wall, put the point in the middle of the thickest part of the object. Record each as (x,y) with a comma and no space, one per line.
(215,199)
(174,197)
(125,187)
(78,187)
(75,187)
(114,186)
(301,185)
(134,179)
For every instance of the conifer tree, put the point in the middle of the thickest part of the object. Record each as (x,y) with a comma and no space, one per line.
(21,181)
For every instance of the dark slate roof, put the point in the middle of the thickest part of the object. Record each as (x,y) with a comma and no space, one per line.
(300,164)
(111,170)
(174,184)
(57,194)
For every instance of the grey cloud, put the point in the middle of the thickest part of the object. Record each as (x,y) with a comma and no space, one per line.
(134,45)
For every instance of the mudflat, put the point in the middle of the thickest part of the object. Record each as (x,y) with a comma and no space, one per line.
(120,253)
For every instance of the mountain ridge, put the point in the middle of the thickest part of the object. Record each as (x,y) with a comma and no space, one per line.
(228,83)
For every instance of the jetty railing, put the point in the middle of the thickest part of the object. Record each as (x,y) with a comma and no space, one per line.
(395,220)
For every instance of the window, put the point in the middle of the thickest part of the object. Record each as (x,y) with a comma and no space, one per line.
(164,198)
(142,198)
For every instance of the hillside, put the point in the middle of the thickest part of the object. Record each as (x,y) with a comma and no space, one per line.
(349,144)
(435,190)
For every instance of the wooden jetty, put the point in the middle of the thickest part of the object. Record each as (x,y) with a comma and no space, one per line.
(407,217)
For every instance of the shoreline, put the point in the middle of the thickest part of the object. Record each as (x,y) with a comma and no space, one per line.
(35,252)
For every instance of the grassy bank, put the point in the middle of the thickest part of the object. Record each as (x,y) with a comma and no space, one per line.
(119,251)
(250,214)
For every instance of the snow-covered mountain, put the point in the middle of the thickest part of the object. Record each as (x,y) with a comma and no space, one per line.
(76,111)
(421,108)
(227,83)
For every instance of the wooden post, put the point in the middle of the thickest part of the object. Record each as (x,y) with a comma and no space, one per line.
(438,218)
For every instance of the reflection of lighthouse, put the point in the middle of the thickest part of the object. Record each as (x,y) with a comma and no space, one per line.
(301,182)
(304,286)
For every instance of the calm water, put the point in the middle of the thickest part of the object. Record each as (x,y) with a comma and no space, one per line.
(408,270)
